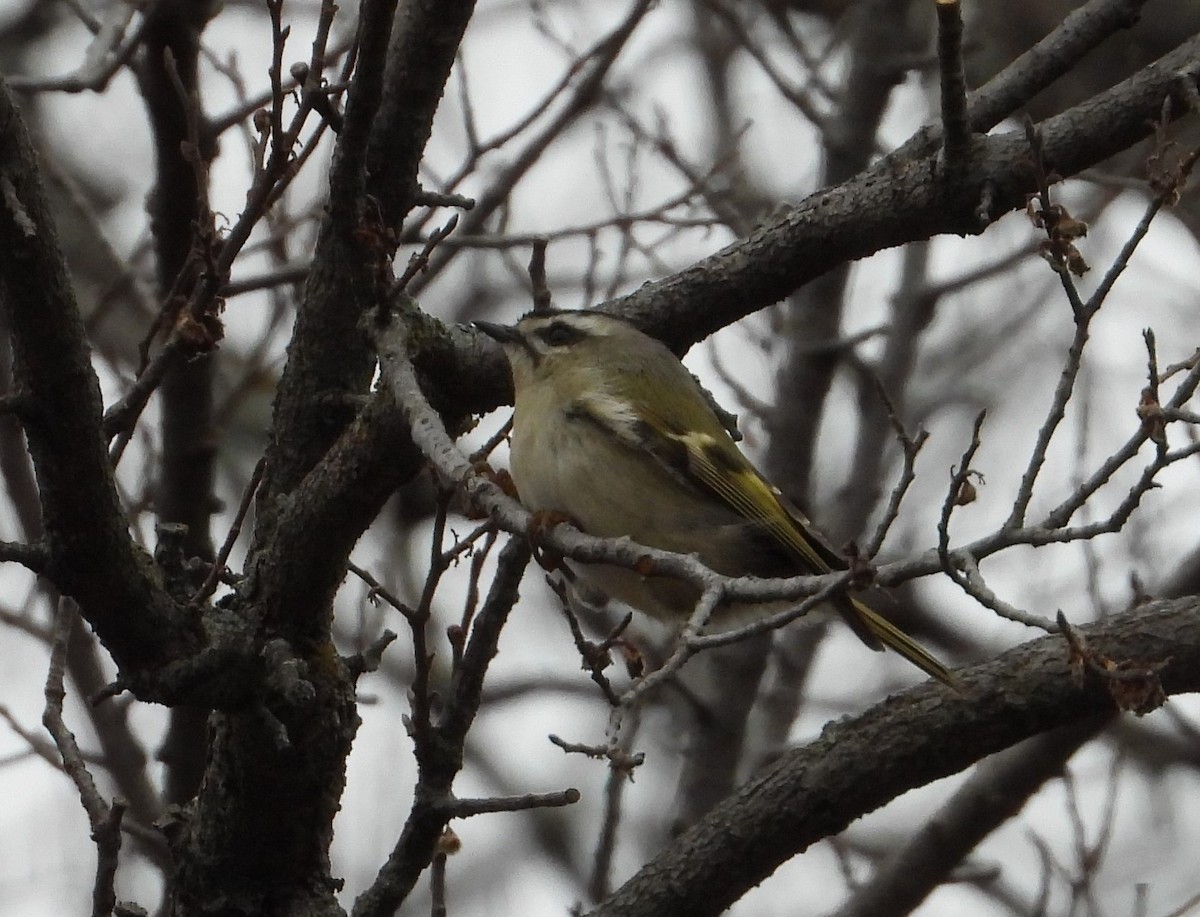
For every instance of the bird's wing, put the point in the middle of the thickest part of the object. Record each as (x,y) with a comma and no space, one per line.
(708,460)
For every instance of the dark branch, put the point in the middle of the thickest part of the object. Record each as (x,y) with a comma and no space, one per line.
(92,557)
(442,757)
(909,740)
(860,216)
(995,792)
(34,557)
(956,131)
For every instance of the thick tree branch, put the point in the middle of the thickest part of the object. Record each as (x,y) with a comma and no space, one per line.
(907,741)
(425,41)
(92,557)
(901,199)
(996,791)
(1051,58)
(182,227)
(325,515)
(326,355)
(389,115)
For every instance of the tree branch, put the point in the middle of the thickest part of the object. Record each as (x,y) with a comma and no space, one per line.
(442,759)
(849,221)
(900,199)
(907,741)
(389,114)
(388,117)
(1051,58)
(92,557)
(995,792)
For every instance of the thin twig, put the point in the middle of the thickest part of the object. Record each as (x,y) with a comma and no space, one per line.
(52,716)
(472,600)
(959,477)
(1168,192)
(111,49)
(483,452)
(600,880)
(105,820)
(378,590)
(973,583)
(537,276)
(466,808)
(420,261)
(956,140)
(123,414)
(910,446)
(218,567)
(437,884)
(594,658)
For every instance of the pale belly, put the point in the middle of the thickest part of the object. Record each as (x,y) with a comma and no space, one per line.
(609,490)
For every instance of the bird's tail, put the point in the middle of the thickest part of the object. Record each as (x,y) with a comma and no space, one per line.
(863,618)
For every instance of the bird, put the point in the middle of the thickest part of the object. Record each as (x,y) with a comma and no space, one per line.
(613,432)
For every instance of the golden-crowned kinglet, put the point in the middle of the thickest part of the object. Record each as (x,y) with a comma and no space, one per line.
(613,431)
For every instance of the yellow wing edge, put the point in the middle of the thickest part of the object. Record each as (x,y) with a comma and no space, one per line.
(897,640)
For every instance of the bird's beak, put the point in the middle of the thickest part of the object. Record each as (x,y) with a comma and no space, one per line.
(505,334)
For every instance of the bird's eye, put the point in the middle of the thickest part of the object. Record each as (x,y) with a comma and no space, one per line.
(561,334)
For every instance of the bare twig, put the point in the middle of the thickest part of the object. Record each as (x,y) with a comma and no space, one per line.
(617,757)
(1066,381)
(218,567)
(437,879)
(537,276)
(956,140)
(420,261)
(972,582)
(426,198)
(369,659)
(105,820)
(378,589)
(111,49)
(466,808)
(807,99)
(1167,193)
(600,880)
(284,274)
(123,414)
(439,761)
(960,475)
(471,603)
(1188,907)
(994,793)
(595,659)
(594,67)
(910,446)
(37,744)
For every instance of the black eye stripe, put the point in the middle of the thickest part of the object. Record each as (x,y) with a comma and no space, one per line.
(561,334)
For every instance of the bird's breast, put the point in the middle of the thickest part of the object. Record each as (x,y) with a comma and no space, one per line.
(573,465)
